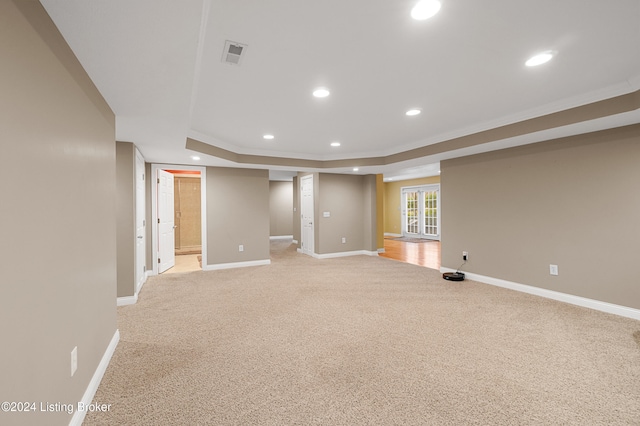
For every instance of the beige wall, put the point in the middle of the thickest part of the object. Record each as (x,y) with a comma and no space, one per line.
(380,213)
(573,202)
(237,213)
(281,208)
(126,217)
(296,210)
(393,202)
(58,286)
(148,212)
(351,202)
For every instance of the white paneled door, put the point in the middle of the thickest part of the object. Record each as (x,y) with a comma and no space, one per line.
(166,222)
(306,214)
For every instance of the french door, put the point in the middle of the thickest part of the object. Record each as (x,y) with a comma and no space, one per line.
(421,212)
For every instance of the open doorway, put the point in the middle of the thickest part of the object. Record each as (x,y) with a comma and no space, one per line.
(179,218)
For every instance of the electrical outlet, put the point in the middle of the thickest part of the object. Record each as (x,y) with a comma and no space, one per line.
(74,360)
(553,269)
(240,247)
(465,255)
(344,240)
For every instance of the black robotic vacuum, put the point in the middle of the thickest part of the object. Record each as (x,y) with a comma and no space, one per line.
(453,276)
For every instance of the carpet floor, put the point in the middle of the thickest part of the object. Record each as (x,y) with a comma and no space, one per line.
(363,341)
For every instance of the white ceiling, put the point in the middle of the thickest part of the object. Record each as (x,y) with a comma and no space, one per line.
(158,65)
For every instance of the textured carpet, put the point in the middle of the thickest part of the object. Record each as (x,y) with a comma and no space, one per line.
(363,341)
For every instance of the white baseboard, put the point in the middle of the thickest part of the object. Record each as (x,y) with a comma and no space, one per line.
(281,237)
(389,234)
(78,416)
(597,305)
(381,250)
(236,265)
(127,300)
(345,254)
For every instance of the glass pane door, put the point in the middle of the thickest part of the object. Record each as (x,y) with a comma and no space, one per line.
(412,213)
(421,211)
(430,218)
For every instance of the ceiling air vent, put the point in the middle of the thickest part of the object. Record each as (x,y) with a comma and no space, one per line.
(233,52)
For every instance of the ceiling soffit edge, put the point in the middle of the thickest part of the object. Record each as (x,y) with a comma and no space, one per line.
(600,109)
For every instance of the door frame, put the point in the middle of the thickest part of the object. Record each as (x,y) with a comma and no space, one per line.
(420,189)
(154,209)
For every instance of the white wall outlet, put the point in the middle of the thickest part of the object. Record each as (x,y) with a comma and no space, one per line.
(553,269)
(74,360)
(326,214)
(240,247)
(344,240)
(465,255)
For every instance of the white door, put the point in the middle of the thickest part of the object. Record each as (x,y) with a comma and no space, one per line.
(421,212)
(166,225)
(141,253)
(306,214)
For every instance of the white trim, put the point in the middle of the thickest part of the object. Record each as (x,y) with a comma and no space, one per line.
(281,237)
(345,254)
(127,300)
(154,208)
(236,265)
(597,305)
(78,416)
(146,277)
(381,250)
(390,234)
(295,241)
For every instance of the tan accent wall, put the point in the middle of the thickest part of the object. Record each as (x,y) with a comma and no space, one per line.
(573,202)
(126,217)
(58,254)
(188,214)
(237,214)
(393,201)
(281,208)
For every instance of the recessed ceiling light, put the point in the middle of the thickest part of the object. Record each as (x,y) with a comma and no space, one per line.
(540,58)
(321,92)
(355,169)
(268,137)
(413,112)
(335,143)
(425,9)
(195,157)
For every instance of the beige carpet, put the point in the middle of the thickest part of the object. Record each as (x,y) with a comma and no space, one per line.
(363,341)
